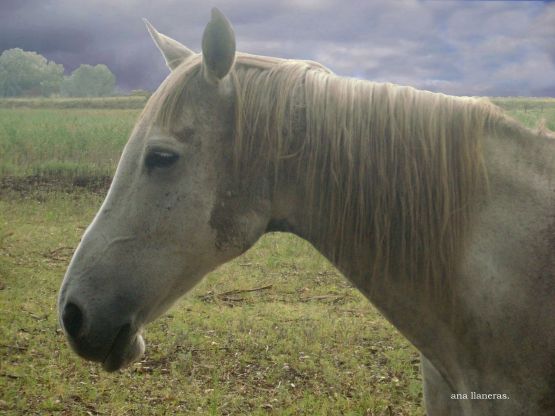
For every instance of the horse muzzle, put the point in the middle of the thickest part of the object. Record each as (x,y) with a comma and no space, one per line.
(111,342)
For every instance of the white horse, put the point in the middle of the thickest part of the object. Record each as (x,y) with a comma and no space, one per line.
(439,209)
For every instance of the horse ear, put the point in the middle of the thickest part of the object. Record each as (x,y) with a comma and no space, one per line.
(218,47)
(173,52)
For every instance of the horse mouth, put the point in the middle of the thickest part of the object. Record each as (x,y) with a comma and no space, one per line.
(128,347)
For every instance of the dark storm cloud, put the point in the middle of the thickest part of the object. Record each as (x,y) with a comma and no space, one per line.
(469,48)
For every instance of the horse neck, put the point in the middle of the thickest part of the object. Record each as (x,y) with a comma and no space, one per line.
(308,213)
(302,209)
(406,307)
(521,168)
(351,182)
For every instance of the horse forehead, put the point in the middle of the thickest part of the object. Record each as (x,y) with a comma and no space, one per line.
(201,108)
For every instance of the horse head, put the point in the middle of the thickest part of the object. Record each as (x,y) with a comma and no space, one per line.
(173,212)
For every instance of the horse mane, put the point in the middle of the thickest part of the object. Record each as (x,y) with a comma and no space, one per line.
(390,169)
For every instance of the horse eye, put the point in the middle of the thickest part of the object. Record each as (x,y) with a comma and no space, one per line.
(160,159)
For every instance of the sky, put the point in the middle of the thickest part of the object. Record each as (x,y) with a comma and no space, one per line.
(494,48)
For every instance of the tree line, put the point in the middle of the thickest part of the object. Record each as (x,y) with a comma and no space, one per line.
(24,73)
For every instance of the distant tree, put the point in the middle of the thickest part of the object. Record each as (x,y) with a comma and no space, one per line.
(89,81)
(28,73)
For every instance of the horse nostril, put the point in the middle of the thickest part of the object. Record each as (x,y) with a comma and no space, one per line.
(72,317)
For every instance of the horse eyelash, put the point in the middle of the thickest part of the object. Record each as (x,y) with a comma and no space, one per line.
(160,159)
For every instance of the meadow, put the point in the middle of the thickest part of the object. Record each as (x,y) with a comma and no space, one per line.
(276,331)
(121,102)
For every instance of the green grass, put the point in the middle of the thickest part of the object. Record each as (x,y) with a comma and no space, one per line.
(125,102)
(531,112)
(54,142)
(308,345)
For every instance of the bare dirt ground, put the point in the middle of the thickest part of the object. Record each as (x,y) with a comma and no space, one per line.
(34,186)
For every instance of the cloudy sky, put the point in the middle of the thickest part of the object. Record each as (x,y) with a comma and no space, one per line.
(457,47)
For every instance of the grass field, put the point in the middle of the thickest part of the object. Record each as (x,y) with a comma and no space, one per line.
(531,112)
(69,142)
(304,343)
(123,102)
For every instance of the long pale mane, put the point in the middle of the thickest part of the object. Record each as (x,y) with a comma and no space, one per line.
(391,169)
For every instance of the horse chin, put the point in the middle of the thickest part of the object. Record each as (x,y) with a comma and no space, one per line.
(127,348)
